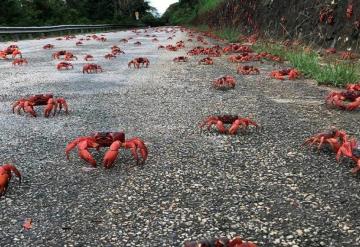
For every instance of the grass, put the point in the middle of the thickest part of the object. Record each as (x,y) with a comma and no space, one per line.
(208,5)
(230,34)
(308,63)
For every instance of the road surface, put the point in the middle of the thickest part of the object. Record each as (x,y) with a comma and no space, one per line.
(262,186)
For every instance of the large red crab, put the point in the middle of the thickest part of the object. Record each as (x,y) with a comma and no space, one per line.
(340,144)
(139,61)
(347,100)
(11,50)
(92,68)
(333,137)
(236,122)
(114,140)
(220,242)
(292,74)
(225,82)
(27,104)
(5,177)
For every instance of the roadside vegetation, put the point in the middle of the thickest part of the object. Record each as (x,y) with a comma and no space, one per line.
(311,65)
(185,11)
(326,71)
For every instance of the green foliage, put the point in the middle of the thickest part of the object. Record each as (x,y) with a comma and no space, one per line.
(56,12)
(207,5)
(229,34)
(185,11)
(338,75)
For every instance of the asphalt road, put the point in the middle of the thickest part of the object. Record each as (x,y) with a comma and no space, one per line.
(262,186)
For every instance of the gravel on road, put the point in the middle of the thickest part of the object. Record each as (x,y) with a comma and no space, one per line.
(263,185)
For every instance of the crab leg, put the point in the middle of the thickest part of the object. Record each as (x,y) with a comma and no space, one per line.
(134,144)
(49,107)
(111,154)
(29,108)
(62,103)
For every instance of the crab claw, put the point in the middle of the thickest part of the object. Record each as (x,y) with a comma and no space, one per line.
(11,168)
(49,107)
(29,108)
(134,144)
(111,154)
(357,168)
(346,149)
(84,152)
(5,176)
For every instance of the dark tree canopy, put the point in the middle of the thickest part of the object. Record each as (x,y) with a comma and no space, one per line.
(56,12)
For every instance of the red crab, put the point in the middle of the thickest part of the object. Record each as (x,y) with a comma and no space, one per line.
(349,11)
(221,242)
(330,51)
(19,61)
(353,87)
(138,43)
(11,50)
(236,122)
(139,61)
(225,82)
(114,140)
(48,46)
(16,52)
(237,48)
(79,43)
(3,55)
(332,137)
(124,40)
(51,103)
(5,177)
(248,70)
(327,14)
(206,61)
(58,54)
(171,48)
(92,68)
(88,57)
(339,143)
(161,47)
(181,59)
(346,55)
(281,74)
(155,40)
(109,56)
(269,56)
(116,50)
(346,100)
(69,56)
(244,57)
(180,44)
(64,65)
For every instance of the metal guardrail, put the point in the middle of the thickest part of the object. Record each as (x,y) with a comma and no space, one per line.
(28,32)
